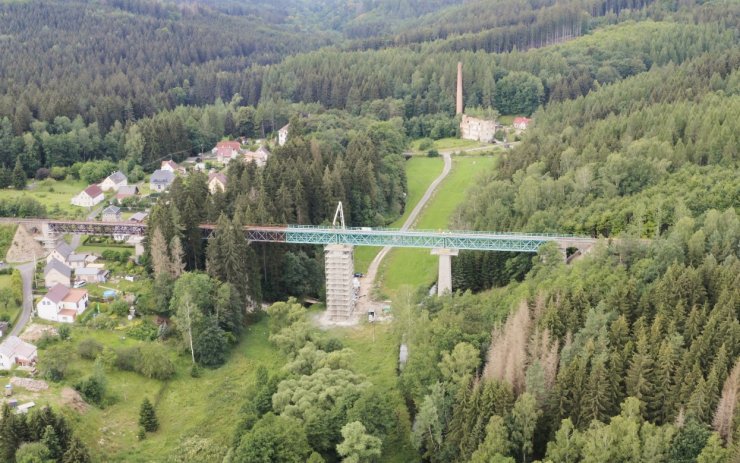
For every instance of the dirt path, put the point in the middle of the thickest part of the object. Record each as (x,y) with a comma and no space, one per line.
(27,271)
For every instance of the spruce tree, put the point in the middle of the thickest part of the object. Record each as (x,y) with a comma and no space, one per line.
(19,176)
(76,453)
(51,441)
(148,417)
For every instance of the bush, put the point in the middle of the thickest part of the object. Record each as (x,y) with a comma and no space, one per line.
(89,349)
(119,308)
(145,331)
(58,173)
(42,173)
(154,362)
(432,153)
(92,389)
(64,332)
(127,358)
(425,144)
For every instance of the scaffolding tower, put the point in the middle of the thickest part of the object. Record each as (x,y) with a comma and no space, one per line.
(340,293)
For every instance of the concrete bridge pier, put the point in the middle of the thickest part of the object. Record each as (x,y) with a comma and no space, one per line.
(444,279)
(50,239)
(340,294)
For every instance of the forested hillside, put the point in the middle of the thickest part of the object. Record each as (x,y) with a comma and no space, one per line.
(629,353)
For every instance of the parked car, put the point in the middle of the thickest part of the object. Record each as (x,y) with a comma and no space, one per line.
(359,275)
(79,284)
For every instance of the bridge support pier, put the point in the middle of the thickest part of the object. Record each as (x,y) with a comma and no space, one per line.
(444,279)
(340,294)
(50,239)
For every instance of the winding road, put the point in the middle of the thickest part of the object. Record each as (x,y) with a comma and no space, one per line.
(365,301)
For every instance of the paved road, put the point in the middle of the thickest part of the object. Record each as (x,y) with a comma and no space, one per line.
(367,282)
(27,271)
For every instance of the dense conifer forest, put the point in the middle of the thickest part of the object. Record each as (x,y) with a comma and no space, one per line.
(629,353)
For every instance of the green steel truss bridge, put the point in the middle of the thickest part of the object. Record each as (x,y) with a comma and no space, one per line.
(326,235)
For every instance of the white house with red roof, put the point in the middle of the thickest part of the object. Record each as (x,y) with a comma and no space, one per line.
(89,197)
(62,304)
(521,123)
(226,151)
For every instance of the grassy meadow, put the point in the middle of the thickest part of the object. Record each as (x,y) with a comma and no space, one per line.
(406,266)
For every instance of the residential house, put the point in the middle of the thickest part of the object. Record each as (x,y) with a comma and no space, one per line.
(89,197)
(112,214)
(216,181)
(114,181)
(80,260)
(161,180)
(259,157)
(127,191)
(14,351)
(62,304)
(283,135)
(226,151)
(521,123)
(138,217)
(91,275)
(169,165)
(60,253)
(57,272)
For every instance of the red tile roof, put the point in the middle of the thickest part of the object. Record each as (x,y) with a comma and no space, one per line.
(93,191)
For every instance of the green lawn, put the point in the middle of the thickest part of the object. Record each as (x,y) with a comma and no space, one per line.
(417,266)
(55,195)
(13,309)
(7,233)
(420,172)
(446,144)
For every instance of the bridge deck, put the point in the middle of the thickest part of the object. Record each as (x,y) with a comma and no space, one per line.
(305,234)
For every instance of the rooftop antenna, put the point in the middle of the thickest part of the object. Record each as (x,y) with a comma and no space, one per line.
(339,213)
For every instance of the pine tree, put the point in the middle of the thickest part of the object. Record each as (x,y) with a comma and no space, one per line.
(51,441)
(640,375)
(76,453)
(148,417)
(19,176)
(713,452)
(158,251)
(495,444)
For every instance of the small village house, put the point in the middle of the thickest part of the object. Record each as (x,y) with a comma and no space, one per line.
(60,253)
(127,191)
(114,181)
(161,180)
(283,134)
(75,260)
(57,272)
(226,151)
(521,123)
(216,182)
(172,166)
(112,214)
(91,275)
(259,157)
(138,217)
(62,304)
(89,197)
(15,351)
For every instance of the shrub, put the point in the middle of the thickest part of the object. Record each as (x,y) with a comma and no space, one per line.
(425,144)
(64,332)
(42,173)
(154,362)
(92,389)
(432,153)
(89,349)
(58,173)
(119,308)
(145,331)
(127,358)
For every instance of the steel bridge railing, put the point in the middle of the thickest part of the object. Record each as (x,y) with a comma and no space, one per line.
(306,234)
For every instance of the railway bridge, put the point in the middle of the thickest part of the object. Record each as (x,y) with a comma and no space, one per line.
(338,244)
